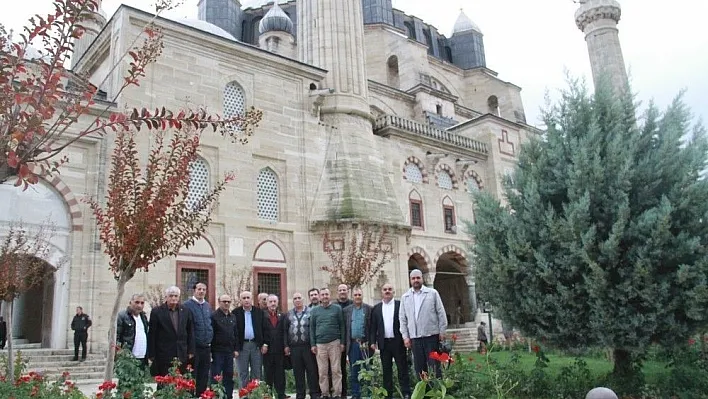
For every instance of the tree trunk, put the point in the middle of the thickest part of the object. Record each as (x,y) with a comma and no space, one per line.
(10,354)
(623,362)
(111,353)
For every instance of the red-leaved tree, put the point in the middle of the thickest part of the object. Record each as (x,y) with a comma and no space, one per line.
(41,102)
(147,216)
(24,264)
(358,252)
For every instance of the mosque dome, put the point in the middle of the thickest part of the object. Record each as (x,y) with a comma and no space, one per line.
(276,20)
(464,24)
(206,27)
(259,3)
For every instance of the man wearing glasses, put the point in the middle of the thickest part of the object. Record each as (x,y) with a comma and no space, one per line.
(223,346)
(132,329)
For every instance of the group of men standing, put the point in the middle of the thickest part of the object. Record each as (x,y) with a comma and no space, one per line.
(314,340)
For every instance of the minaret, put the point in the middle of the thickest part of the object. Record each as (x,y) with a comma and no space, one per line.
(93,24)
(598,20)
(354,185)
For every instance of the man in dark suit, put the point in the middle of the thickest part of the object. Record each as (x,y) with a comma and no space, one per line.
(171,334)
(385,334)
(274,360)
(252,340)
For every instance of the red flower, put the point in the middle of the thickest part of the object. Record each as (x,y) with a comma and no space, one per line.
(454,337)
(242,392)
(535,348)
(128,395)
(253,385)
(218,378)
(107,386)
(691,341)
(208,394)
(190,368)
(65,375)
(99,395)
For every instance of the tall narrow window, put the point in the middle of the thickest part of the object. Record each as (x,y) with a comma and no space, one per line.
(411,30)
(392,67)
(449,215)
(234,101)
(416,209)
(198,182)
(267,192)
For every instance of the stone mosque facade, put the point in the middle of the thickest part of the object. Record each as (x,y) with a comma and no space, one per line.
(370,116)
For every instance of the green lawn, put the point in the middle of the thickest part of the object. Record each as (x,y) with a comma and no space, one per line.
(598,366)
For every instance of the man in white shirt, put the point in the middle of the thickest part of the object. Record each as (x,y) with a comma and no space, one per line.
(132,329)
(423,322)
(385,335)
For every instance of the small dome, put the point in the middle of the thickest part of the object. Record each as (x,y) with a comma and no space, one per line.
(206,27)
(276,20)
(464,24)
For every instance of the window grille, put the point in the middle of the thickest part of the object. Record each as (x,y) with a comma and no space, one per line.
(191,277)
(444,180)
(270,283)
(413,173)
(472,185)
(267,188)
(234,100)
(416,213)
(198,182)
(449,216)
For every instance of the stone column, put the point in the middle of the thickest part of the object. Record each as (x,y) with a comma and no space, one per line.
(472,292)
(598,20)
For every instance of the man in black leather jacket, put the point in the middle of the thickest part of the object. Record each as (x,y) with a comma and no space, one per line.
(132,329)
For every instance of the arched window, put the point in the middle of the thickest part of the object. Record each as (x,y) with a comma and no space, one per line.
(493,104)
(449,215)
(268,198)
(392,67)
(472,185)
(234,101)
(413,173)
(444,180)
(415,202)
(198,182)
(411,30)
(428,41)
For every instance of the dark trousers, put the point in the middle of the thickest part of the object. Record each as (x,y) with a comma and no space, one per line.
(274,365)
(421,354)
(201,363)
(394,350)
(222,363)
(304,364)
(80,338)
(2,343)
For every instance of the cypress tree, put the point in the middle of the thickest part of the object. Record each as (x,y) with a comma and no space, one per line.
(601,237)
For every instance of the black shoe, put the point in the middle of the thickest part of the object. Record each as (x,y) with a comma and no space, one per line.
(76,359)
(83,359)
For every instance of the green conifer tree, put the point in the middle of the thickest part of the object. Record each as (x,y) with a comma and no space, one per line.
(602,236)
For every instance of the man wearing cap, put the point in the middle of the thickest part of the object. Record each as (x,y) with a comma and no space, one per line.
(423,322)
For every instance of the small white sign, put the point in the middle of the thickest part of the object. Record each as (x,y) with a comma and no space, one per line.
(235,246)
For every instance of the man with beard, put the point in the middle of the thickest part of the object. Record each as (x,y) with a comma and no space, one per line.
(314,295)
(423,322)
(385,334)
(171,334)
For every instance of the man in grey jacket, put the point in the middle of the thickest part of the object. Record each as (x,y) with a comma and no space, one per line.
(356,321)
(423,322)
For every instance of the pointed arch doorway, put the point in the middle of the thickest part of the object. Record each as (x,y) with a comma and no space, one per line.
(270,272)
(451,282)
(197,264)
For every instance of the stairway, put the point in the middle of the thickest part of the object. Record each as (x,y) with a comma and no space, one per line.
(53,362)
(466,339)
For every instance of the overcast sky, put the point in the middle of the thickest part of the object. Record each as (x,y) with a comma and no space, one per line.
(533,43)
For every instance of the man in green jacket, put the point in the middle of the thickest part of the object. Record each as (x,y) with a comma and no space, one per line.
(327,343)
